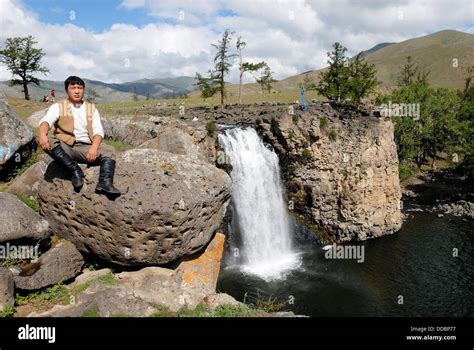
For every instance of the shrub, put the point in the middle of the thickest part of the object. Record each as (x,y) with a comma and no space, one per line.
(333,134)
(211,128)
(306,154)
(323,123)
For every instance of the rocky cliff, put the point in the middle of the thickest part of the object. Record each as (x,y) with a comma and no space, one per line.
(340,167)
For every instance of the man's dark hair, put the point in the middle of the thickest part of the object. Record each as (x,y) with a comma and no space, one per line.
(73,80)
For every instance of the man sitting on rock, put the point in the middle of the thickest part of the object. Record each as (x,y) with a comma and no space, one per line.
(78,135)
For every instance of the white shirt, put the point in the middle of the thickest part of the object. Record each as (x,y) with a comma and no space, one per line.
(80,121)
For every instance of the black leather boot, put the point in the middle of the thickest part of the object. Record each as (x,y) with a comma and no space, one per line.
(77,176)
(106,177)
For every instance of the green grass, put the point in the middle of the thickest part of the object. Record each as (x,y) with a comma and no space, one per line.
(307,154)
(9,261)
(269,304)
(57,294)
(23,108)
(32,203)
(323,122)
(108,278)
(405,171)
(333,134)
(60,294)
(8,311)
(163,312)
(118,144)
(234,311)
(204,311)
(32,160)
(199,311)
(80,288)
(93,312)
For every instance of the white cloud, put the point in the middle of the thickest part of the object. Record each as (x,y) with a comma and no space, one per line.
(292,36)
(132,4)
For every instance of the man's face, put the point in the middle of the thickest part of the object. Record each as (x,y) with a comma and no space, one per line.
(75,92)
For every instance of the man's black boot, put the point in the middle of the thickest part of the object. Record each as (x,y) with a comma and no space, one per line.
(106,177)
(77,176)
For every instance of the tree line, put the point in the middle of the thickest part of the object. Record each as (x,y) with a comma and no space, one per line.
(214,81)
(444,126)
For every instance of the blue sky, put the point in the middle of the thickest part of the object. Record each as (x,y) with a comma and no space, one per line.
(96,16)
(99,16)
(125,40)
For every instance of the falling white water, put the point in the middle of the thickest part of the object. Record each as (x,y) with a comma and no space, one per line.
(259,206)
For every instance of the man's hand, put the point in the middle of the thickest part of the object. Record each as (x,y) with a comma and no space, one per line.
(44,142)
(43,136)
(92,154)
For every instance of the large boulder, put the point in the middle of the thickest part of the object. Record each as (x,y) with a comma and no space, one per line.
(27,184)
(170,207)
(134,131)
(61,263)
(17,221)
(163,133)
(7,296)
(192,141)
(17,141)
(174,141)
(33,120)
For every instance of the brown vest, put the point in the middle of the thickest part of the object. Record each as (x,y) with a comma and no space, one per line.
(64,126)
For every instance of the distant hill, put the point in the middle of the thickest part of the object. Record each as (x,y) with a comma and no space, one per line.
(154,88)
(433,52)
(375,48)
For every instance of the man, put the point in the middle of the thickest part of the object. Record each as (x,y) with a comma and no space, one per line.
(78,135)
(53,96)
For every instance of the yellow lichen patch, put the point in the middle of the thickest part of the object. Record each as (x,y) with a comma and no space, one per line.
(167,167)
(205,268)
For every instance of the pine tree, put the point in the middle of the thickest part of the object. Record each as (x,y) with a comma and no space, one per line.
(266,79)
(362,80)
(408,73)
(222,62)
(333,82)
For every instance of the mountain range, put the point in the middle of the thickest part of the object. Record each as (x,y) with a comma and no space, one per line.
(446,55)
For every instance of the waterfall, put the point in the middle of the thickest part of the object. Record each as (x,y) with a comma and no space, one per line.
(260,209)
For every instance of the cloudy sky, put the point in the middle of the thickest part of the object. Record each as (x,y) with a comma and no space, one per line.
(126,40)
